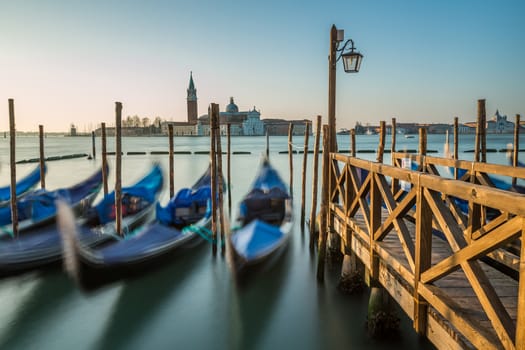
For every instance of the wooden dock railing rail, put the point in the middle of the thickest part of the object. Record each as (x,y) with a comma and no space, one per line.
(419,233)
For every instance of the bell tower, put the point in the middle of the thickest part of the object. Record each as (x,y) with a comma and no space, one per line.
(192,101)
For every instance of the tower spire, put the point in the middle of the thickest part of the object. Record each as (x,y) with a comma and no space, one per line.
(192,101)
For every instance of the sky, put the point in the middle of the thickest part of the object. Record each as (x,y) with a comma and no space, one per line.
(68,61)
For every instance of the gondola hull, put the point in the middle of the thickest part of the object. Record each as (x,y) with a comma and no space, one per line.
(262,230)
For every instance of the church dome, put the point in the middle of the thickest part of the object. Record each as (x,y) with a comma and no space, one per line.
(232,107)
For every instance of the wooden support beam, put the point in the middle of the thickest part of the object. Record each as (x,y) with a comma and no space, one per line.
(104,159)
(171,165)
(118,168)
(303,182)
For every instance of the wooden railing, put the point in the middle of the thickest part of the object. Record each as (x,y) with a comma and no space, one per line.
(377,202)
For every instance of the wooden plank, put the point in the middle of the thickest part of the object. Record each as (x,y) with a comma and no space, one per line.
(445,305)
(520,324)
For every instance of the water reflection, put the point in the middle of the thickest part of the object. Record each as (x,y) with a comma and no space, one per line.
(141,299)
(51,290)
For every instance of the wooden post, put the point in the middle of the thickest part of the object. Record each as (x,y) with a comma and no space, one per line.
(303,183)
(483,134)
(393,134)
(352,141)
(381,148)
(42,159)
(315,175)
(93,144)
(456,144)
(118,167)
(520,322)
(12,163)
(332,65)
(477,145)
(172,181)
(422,148)
(267,144)
(104,159)
(229,171)
(213,112)
(323,226)
(516,145)
(290,156)
(423,252)
(220,182)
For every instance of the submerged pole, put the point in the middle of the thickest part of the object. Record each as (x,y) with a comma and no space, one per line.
(315,175)
(12,163)
(42,159)
(213,112)
(516,145)
(303,183)
(323,227)
(290,156)
(170,142)
(104,158)
(118,168)
(228,170)
(93,144)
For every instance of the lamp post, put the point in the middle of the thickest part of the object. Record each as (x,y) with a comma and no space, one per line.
(351,64)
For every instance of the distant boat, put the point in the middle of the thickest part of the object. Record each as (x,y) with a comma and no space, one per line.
(369,132)
(409,136)
(343,131)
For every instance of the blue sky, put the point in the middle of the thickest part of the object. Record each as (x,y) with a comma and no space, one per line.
(68,61)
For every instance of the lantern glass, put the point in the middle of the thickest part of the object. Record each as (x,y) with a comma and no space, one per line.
(352,61)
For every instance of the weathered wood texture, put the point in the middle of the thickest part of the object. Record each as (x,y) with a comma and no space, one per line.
(416,244)
(118,167)
(315,175)
(104,159)
(42,158)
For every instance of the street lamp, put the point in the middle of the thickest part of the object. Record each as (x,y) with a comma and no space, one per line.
(351,64)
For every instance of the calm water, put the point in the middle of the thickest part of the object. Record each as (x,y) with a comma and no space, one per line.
(192,302)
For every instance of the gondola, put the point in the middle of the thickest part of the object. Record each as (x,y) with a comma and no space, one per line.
(37,208)
(262,228)
(22,186)
(184,222)
(42,246)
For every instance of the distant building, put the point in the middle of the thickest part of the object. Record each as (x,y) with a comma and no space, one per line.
(242,123)
(279,127)
(73,131)
(499,124)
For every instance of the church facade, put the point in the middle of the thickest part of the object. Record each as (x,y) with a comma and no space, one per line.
(242,123)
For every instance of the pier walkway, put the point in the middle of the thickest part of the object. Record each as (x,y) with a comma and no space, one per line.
(411,232)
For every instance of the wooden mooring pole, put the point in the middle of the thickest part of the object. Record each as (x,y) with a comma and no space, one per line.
(170,156)
(303,181)
(228,170)
(315,175)
(352,141)
(290,156)
(42,158)
(118,168)
(479,126)
(213,112)
(93,144)
(323,225)
(516,147)
(393,134)
(422,148)
(220,184)
(456,144)
(104,158)
(381,147)
(12,163)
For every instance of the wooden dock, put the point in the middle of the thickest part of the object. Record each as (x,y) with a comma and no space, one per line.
(408,230)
